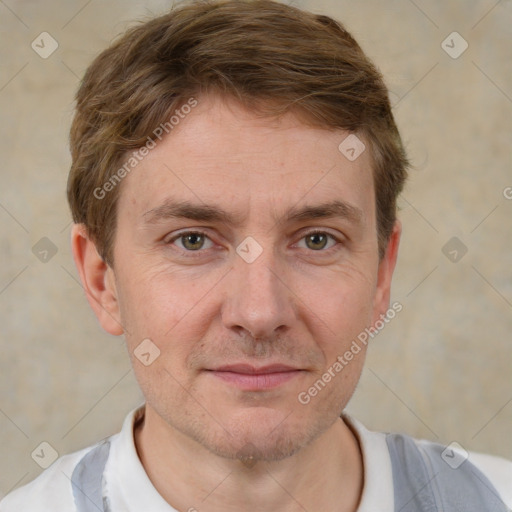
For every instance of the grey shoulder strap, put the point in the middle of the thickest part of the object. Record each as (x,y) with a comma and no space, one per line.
(87,480)
(424,482)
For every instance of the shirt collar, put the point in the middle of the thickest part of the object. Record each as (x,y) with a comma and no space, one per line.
(129,487)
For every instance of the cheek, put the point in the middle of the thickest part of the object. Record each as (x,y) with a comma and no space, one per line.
(153,307)
(163,306)
(338,301)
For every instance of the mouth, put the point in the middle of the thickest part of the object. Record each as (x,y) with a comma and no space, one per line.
(251,378)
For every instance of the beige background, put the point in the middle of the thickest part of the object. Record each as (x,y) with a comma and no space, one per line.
(441,370)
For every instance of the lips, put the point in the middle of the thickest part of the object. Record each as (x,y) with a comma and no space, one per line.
(252,378)
(248,369)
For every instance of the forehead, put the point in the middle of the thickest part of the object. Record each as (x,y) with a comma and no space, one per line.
(220,153)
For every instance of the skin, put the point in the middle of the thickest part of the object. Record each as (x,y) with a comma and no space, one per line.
(205,442)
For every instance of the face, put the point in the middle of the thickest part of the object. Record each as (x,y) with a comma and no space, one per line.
(246,251)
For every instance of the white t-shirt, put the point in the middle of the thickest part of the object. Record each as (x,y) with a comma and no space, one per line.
(129,489)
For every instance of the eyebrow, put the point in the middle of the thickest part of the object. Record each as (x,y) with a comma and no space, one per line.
(171,209)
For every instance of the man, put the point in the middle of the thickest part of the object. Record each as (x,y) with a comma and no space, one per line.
(234,181)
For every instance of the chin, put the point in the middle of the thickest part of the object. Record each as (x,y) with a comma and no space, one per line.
(258,445)
(260,434)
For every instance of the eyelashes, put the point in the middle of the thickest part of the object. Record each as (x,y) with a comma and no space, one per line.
(194,241)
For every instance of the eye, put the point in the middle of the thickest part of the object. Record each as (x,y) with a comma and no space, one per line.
(194,241)
(319,240)
(191,241)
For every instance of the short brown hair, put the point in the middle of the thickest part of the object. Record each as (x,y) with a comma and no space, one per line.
(271,57)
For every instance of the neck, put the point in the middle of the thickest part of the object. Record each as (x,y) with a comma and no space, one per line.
(325,475)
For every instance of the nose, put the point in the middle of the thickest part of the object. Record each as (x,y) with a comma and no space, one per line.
(258,300)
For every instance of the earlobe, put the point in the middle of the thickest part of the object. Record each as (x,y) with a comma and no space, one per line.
(97,280)
(385,273)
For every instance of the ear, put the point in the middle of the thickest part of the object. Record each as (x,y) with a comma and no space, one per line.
(385,273)
(97,280)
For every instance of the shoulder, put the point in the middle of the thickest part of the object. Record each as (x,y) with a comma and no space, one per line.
(402,470)
(74,478)
(490,474)
(498,471)
(51,490)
